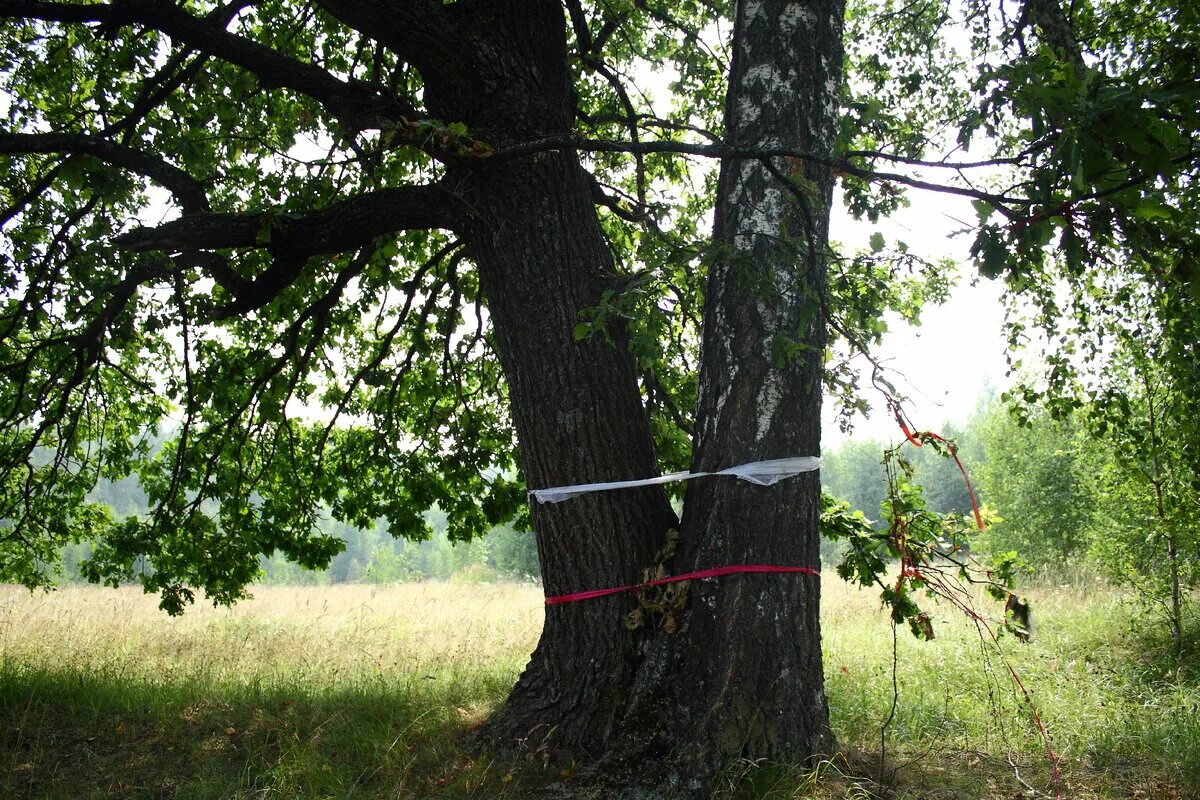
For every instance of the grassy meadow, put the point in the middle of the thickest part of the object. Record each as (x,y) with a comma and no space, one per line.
(368,692)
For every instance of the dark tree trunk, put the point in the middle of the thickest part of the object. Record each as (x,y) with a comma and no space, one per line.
(742,675)
(579,418)
(542,257)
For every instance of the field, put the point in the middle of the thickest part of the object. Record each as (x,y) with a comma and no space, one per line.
(369,692)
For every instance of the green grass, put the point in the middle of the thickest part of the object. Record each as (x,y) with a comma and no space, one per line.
(354,691)
(1123,717)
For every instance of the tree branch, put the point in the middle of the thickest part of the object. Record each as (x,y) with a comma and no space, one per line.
(1002,203)
(603,198)
(358,105)
(579,23)
(55,12)
(341,226)
(171,75)
(187,190)
(291,239)
(424,33)
(631,116)
(35,191)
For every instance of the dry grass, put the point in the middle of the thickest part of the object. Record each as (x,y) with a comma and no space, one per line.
(359,691)
(299,636)
(347,691)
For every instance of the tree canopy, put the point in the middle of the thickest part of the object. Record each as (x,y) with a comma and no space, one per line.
(302,325)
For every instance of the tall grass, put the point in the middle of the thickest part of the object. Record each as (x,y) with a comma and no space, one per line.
(317,692)
(357,691)
(1120,717)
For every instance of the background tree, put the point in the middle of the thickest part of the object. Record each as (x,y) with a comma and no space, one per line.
(854,472)
(1138,407)
(1038,475)
(1119,341)
(945,486)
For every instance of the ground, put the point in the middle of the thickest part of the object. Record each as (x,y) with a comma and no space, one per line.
(364,692)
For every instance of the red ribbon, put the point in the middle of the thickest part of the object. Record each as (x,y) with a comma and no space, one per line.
(715,572)
(915,442)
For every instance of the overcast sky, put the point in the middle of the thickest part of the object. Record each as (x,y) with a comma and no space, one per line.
(947,364)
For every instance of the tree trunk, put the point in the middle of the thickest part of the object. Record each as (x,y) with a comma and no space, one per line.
(742,675)
(579,418)
(542,258)
(1175,614)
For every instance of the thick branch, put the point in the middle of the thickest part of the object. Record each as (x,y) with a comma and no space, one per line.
(425,33)
(292,238)
(579,23)
(342,226)
(358,105)
(187,190)
(55,12)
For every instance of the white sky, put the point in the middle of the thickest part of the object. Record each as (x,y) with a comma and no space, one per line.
(945,365)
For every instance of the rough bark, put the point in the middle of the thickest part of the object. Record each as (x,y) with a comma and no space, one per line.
(743,676)
(533,231)
(579,418)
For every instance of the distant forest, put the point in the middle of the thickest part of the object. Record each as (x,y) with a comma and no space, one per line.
(851,472)
(1035,477)
(370,555)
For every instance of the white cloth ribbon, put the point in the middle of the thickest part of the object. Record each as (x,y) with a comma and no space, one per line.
(762,473)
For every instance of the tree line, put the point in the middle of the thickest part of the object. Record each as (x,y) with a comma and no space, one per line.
(1067,494)
(1053,492)
(369,554)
